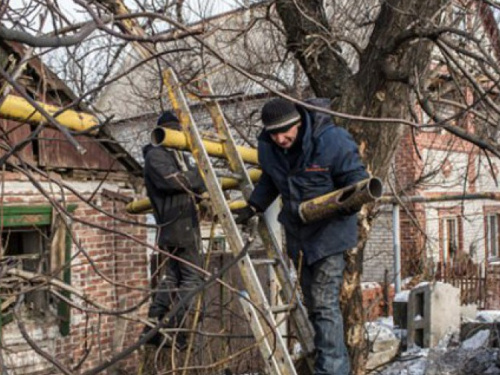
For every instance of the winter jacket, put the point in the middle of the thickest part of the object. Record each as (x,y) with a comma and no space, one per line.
(329,161)
(168,190)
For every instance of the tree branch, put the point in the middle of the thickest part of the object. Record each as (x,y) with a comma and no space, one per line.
(45,40)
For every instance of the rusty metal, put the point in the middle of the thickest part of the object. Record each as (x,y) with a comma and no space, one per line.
(350,198)
(440,197)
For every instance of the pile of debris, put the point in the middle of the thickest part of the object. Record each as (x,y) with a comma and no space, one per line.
(472,347)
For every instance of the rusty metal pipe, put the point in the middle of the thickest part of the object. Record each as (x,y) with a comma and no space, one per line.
(351,198)
(177,139)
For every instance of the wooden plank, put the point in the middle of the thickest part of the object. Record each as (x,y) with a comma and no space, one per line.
(56,152)
(12,133)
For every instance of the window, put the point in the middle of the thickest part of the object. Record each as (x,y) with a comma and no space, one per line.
(33,241)
(450,238)
(26,248)
(492,235)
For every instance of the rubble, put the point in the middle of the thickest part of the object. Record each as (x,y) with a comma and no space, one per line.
(473,353)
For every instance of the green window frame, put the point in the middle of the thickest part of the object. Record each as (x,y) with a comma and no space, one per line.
(12,216)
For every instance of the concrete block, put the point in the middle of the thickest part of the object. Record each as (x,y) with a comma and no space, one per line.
(468,312)
(433,311)
(384,345)
(400,314)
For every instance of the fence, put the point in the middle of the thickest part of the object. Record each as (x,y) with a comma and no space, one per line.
(470,278)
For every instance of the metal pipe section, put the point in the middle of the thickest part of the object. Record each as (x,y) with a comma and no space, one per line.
(397,247)
(19,109)
(177,139)
(350,198)
(142,206)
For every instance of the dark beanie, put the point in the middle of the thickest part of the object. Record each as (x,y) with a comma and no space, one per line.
(168,120)
(278,115)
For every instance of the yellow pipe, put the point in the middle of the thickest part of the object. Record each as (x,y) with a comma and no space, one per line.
(232,183)
(142,206)
(234,205)
(350,198)
(177,139)
(19,109)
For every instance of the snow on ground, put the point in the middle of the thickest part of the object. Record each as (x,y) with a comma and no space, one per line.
(473,356)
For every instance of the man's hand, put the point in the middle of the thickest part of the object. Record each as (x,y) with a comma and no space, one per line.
(347,211)
(195,181)
(244,214)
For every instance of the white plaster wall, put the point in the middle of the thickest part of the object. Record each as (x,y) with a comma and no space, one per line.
(379,254)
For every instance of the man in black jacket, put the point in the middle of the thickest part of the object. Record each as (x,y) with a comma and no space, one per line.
(173,183)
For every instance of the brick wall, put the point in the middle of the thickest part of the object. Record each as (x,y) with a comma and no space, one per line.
(108,266)
(377,302)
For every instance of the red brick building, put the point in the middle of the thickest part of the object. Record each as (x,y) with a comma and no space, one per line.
(73,264)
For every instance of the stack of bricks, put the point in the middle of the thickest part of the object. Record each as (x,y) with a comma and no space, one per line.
(375,304)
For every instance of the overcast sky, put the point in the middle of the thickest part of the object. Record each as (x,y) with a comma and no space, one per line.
(193,8)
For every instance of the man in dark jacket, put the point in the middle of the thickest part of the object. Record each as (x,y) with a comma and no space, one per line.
(303,156)
(172,183)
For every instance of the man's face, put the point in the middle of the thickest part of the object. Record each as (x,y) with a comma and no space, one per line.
(287,138)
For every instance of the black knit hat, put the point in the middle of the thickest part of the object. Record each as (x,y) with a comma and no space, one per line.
(168,120)
(278,115)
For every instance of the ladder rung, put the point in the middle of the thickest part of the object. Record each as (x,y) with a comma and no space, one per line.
(283,308)
(264,262)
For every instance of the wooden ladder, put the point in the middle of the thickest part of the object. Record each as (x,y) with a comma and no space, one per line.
(255,304)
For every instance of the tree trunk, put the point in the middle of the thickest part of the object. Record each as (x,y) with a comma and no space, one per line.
(351,300)
(380,89)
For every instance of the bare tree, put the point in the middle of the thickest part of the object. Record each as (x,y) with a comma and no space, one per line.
(390,67)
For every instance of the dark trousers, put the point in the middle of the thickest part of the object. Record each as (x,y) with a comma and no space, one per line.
(178,280)
(321,283)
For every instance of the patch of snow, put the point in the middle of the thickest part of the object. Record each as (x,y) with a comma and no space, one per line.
(402,296)
(386,321)
(379,332)
(370,285)
(421,284)
(488,316)
(479,340)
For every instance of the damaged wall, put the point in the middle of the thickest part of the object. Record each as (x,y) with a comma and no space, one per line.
(110,269)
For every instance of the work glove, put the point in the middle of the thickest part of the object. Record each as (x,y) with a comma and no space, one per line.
(205,206)
(244,214)
(195,181)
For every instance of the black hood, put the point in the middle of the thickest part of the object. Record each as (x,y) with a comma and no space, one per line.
(146,149)
(319,119)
